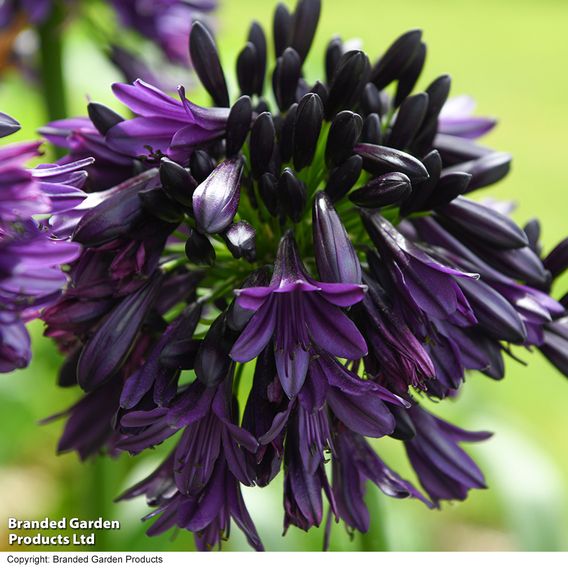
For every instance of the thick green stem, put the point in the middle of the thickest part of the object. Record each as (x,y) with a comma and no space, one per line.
(52,74)
(375,539)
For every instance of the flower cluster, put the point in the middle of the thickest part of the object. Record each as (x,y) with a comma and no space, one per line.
(165,23)
(30,258)
(311,252)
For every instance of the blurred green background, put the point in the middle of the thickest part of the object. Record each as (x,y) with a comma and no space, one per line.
(511,56)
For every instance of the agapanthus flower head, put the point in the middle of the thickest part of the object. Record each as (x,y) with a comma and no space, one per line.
(30,257)
(319,234)
(165,23)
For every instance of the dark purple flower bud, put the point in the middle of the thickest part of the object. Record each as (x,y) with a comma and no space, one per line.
(205,61)
(383,190)
(238,125)
(247,68)
(201,165)
(381,160)
(555,344)
(285,78)
(258,39)
(267,188)
(215,201)
(449,186)
(286,142)
(130,65)
(157,203)
(198,248)
(103,117)
(410,75)
(557,260)
(343,134)
(404,429)
(343,178)
(307,127)
(423,190)
(532,231)
(262,140)
(370,100)
(333,54)
(487,170)
(163,363)
(396,59)
(67,376)
(519,263)
(372,132)
(348,82)
(483,223)
(212,363)
(336,258)
(241,240)
(456,150)
(437,92)
(408,121)
(117,214)
(177,182)
(321,91)
(180,354)
(105,352)
(282,28)
(292,195)
(262,106)
(304,24)
(495,314)
(8,125)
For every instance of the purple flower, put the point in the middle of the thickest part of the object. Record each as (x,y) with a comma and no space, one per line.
(171,303)
(83,140)
(209,435)
(266,400)
(88,429)
(30,259)
(303,504)
(105,352)
(396,353)
(207,514)
(298,312)
(359,404)
(166,22)
(15,349)
(36,10)
(444,469)
(456,119)
(354,463)
(555,343)
(163,126)
(424,284)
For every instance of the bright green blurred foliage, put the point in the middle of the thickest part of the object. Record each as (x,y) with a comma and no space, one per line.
(511,56)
